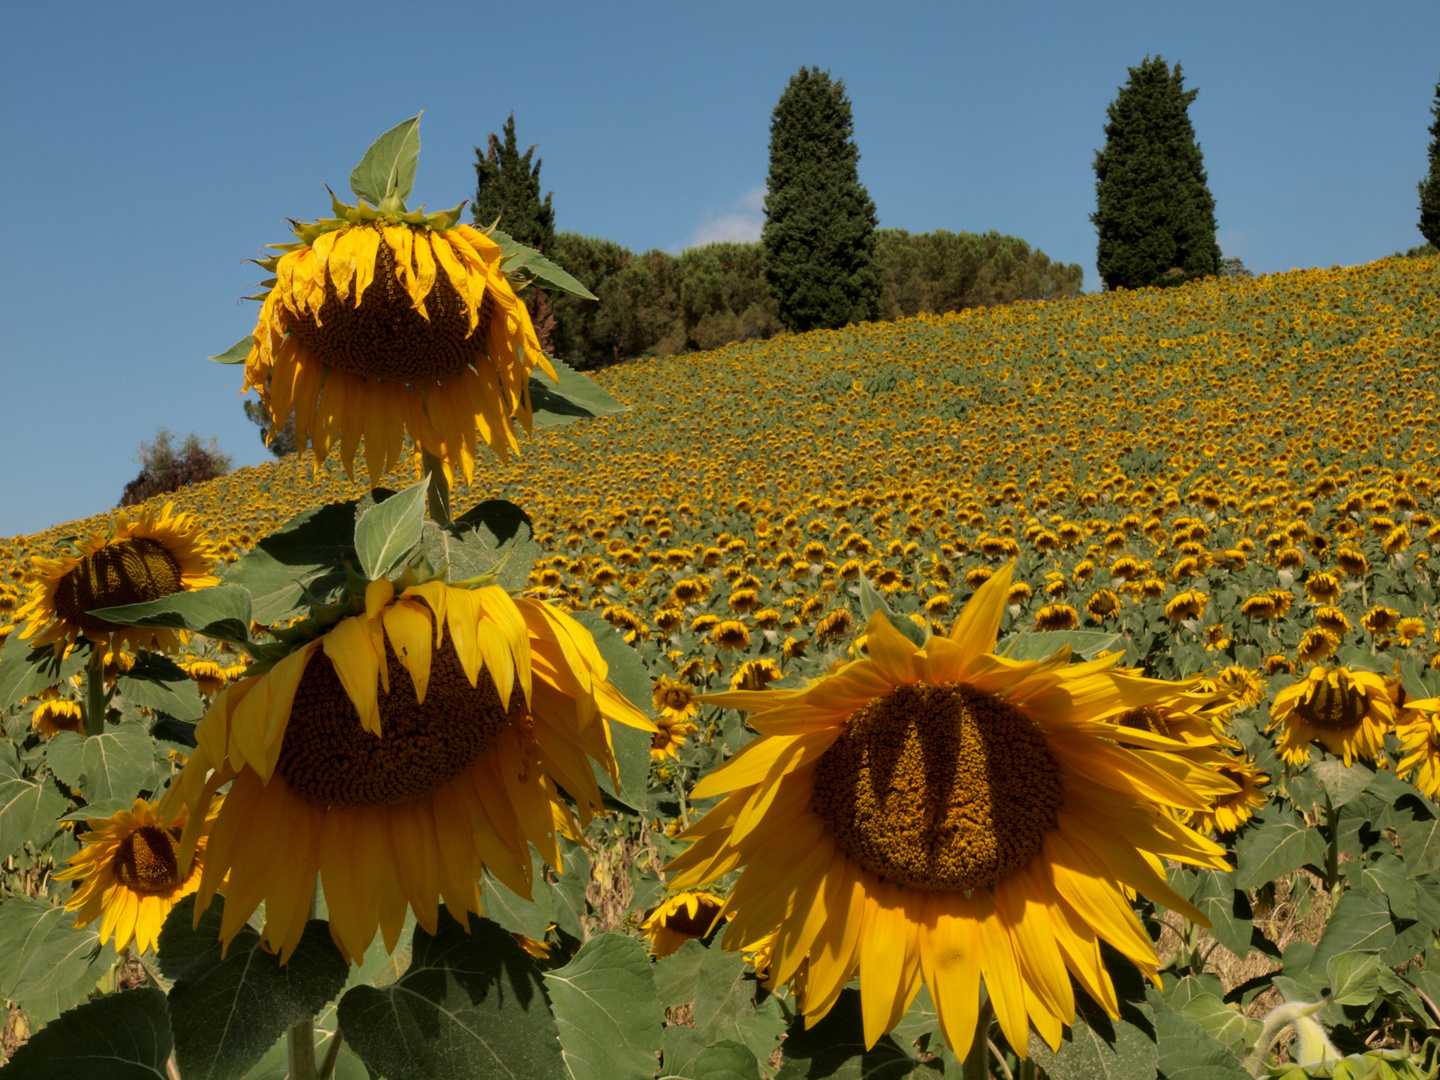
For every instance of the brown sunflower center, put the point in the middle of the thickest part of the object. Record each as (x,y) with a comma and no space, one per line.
(697,925)
(678,698)
(941,787)
(1145,718)
(328,759)
(1332,707)
(125,572)
(146,860)
(386,337)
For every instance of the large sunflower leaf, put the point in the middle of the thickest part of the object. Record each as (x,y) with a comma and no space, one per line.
(835,1049)
(575,398)
(25,671)
(1420,843)
(1099,1048)
(307,553)
(160,684)
(1359,924)
(606,1010)
(229,1010)
(469,1005)
(116,764)
(516,256)
(388,167)
(221,612)
(387,532)
(1187,1051)
(687,1057)
(1228,910)
(495,536)
(46,964)
(123,1036)
(28,808)
(1281,844)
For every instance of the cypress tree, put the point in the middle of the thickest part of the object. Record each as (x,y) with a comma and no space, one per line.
(1155,216)
(507,186)
(1430,186)
(819,233)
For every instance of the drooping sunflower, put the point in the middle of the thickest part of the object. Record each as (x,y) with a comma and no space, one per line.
(56,715)
(944,815)
(1418,728)
(378,325)
(130,871)
(396,755)
(1346,711)
(152,555)
(679,918)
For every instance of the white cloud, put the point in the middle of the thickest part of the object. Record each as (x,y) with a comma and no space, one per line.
(739,223)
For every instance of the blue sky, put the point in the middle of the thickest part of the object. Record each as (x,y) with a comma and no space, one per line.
(150,148)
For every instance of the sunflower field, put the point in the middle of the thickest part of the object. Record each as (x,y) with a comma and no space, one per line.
(1044,689)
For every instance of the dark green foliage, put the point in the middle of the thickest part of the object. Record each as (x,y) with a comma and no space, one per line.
(659,304)
(165,468)
(943,271)
(1156,216)
(819,234)
(1430,187)
(284,441)
(507,187)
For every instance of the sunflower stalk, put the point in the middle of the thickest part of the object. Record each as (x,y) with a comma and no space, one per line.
(95,692)
(300,1037)
(977,1062)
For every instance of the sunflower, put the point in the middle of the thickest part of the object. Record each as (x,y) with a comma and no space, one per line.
(755,674)
(678,918)
(670,735)
(56,715)
(1230,811)
(1186,606)
(396,755)
(209,676)
(137,559)
(1418,728)
(1346,711)
(674,700)
(130,871)
(944,815)
(730,634)
(372,328)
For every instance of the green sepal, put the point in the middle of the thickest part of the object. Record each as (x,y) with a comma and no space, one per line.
(237,353)
(445,219)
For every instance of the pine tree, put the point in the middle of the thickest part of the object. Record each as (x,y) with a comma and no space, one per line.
(1430,186)
(1155,216)
(819,233)
(507,187)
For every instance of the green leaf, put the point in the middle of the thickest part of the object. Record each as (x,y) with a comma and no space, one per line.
(237,353)
(221,612)
(123,1036)
(46,964)
(1419,844)
(1225,1025)
(485,536)
(1359,923)
(1098,1048)
(835,1050)
(686,1057)
(389,531)
(631,677)
(1043,644)
(677,976)
(726,1006)
(1222,903)
(116,764)
(516,256)
(1354,978)
(1387,876)
(161,684)
(1340,782)
(25,671)
(575,398)
(871,601)
(388,167)
(229,1011)
(469,1005)
(606,1010)
(1283,844)
(28,808)
(1187,1051)
(308,552)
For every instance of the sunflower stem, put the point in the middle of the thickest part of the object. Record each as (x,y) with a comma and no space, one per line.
(977,1062)
(437,495)
(300,1038)
(95,692)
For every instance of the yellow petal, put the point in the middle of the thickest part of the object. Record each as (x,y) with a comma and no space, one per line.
(978,626)
(408,625)
(349,648)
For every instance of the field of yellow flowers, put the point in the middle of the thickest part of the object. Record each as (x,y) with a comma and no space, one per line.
(1234,480)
